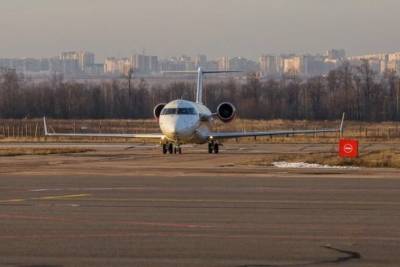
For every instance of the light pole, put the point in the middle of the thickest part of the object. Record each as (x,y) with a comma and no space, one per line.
(398,101)
(130,73)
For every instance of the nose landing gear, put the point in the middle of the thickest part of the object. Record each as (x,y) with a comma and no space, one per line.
(164,148)
(171,149)
(213,147)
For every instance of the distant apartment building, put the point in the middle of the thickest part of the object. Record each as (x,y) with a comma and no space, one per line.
(300,65)
(393,65)
(393,62)
(269,65)
(124,66)
(293,65)
(223,63)
(139,64)
(82,59)
(181,63)
(143,64)
(379,63)
(317,65)
(26,65)
(172,64)
(117,66)
(200,61)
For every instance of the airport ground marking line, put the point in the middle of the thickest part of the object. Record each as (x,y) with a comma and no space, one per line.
(61,197)
(12,200)
(246,201)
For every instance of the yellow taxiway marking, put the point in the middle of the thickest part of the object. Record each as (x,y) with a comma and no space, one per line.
(60,197)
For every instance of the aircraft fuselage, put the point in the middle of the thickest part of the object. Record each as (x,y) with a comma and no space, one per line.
(183,121)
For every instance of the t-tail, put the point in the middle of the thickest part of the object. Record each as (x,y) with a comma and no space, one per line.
(200,74)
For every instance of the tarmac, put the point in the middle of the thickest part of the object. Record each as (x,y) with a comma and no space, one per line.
(129,205)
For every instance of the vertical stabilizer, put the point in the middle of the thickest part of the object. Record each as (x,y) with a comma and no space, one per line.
(199,89)
(200,73)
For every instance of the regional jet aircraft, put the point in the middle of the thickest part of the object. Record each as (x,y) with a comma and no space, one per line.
(186,122)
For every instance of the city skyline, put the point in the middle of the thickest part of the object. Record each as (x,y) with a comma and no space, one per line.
(82,64)
(215,28)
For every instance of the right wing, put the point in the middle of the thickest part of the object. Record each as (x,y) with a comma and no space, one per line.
(227,135)
(149,136)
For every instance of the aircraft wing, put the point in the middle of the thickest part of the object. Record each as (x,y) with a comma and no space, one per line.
(226,135)
(149,136)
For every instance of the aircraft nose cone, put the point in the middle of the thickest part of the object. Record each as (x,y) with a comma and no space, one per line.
(173,129)
(178,129)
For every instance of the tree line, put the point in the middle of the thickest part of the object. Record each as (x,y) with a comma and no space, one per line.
(359,91)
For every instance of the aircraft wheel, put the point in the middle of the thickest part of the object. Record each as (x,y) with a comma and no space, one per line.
(170,148)
(210,148)
(216,148)
(164,149)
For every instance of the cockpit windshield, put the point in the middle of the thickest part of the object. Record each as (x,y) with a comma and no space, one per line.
(179,111)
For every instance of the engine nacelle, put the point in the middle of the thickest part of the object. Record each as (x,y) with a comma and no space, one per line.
(157,110)
(226,112)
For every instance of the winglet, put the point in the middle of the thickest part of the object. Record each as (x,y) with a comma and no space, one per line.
(342,125)
(45,126)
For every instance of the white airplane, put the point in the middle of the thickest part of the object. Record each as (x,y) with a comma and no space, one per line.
(186,122)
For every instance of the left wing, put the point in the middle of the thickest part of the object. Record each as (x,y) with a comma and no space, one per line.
(150,136)
(226,135)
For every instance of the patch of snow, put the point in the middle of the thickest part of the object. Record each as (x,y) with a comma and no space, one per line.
(303,165)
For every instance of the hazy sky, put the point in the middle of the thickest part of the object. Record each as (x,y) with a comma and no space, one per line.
(214,27)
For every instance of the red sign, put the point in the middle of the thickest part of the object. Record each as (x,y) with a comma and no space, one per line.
(348,148)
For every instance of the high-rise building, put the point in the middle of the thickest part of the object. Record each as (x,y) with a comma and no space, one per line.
(200,61)
(223,64)
(117,66)
(84,59)
(293,65)
(111,66)
(269,65)
(394,65)
(143,64)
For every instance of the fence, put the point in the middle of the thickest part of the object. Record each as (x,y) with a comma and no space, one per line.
(33,128)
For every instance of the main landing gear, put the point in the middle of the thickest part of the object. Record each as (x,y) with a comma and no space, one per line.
(171,149)
(213,147)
